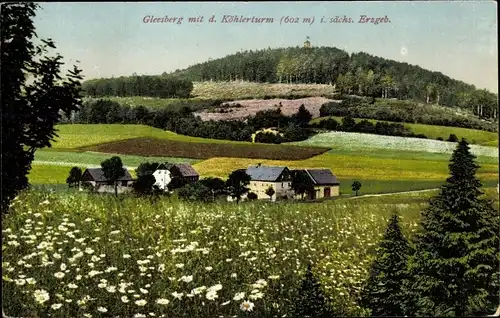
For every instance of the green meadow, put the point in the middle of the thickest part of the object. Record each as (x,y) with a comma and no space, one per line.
(390,169)
(473,136)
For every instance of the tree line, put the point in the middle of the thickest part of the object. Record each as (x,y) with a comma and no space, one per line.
(145,85)
(348,124)
(286,128)
(358,73)
(402,111)
(182,121)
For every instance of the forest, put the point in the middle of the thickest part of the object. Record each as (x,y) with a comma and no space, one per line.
(145,85)
(359,73)
(403,112)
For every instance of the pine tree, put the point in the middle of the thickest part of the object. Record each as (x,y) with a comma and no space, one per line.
(455,270)
(311,302)
(383,294)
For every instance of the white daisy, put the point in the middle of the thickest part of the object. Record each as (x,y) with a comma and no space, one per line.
(102,309)
(162,301)
(247,305)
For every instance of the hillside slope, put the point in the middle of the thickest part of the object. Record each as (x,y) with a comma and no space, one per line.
(359,73)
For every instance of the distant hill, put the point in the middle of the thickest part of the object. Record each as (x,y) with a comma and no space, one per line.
(357,73)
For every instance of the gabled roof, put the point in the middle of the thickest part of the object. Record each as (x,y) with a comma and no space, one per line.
(264,173)
(322,176)
(164,166)
(98,175)
(184,169)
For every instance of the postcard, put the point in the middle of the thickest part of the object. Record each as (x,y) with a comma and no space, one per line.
(250,159)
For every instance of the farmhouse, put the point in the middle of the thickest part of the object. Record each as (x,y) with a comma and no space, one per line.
(263,177)
(95,177)
(183,172)
(325,183)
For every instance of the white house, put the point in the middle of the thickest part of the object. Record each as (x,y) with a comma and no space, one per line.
(264,177)
(162,176)
(165,172)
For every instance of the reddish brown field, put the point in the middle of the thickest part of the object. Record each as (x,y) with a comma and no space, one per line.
(252,106)
(167,148)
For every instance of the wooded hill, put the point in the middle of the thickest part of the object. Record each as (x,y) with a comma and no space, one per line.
(359,73)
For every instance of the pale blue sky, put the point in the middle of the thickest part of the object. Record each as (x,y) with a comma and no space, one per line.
(458,39)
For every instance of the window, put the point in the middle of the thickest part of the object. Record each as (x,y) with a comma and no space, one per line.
(124,183)
(282,186)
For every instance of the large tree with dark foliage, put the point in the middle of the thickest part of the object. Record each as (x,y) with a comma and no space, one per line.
(382,293)
(75,177)
(236,184)
(454,271)
(146,168)
(301,182)
(113,170)
(145,182)
(311,302)
(33,95)
(302,117)
(217,186)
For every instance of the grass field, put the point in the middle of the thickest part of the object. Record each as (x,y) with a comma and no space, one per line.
(351,167)
(356,141)
(380,165)
(69,254)
(80,135)
(473,136)
(95,159)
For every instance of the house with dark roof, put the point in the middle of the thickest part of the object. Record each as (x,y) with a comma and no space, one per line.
(96,178)
(264,177)
(324,182)
(182,172)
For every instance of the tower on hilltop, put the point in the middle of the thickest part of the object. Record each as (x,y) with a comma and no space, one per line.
(307,43)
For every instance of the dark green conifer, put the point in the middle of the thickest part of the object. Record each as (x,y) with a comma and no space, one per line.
(311,302)
(383,293)
(455,270)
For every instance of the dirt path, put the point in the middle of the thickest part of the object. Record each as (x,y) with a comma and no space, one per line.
(392,193)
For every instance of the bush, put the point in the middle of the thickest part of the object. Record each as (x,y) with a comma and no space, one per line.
(348,123)
(252,196)
(268,138)
(195,192)
(453,138)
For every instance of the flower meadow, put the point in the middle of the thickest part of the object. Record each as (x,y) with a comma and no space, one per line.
(354,141)
(84,255)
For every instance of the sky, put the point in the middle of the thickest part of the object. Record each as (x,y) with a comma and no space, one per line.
(458,39)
